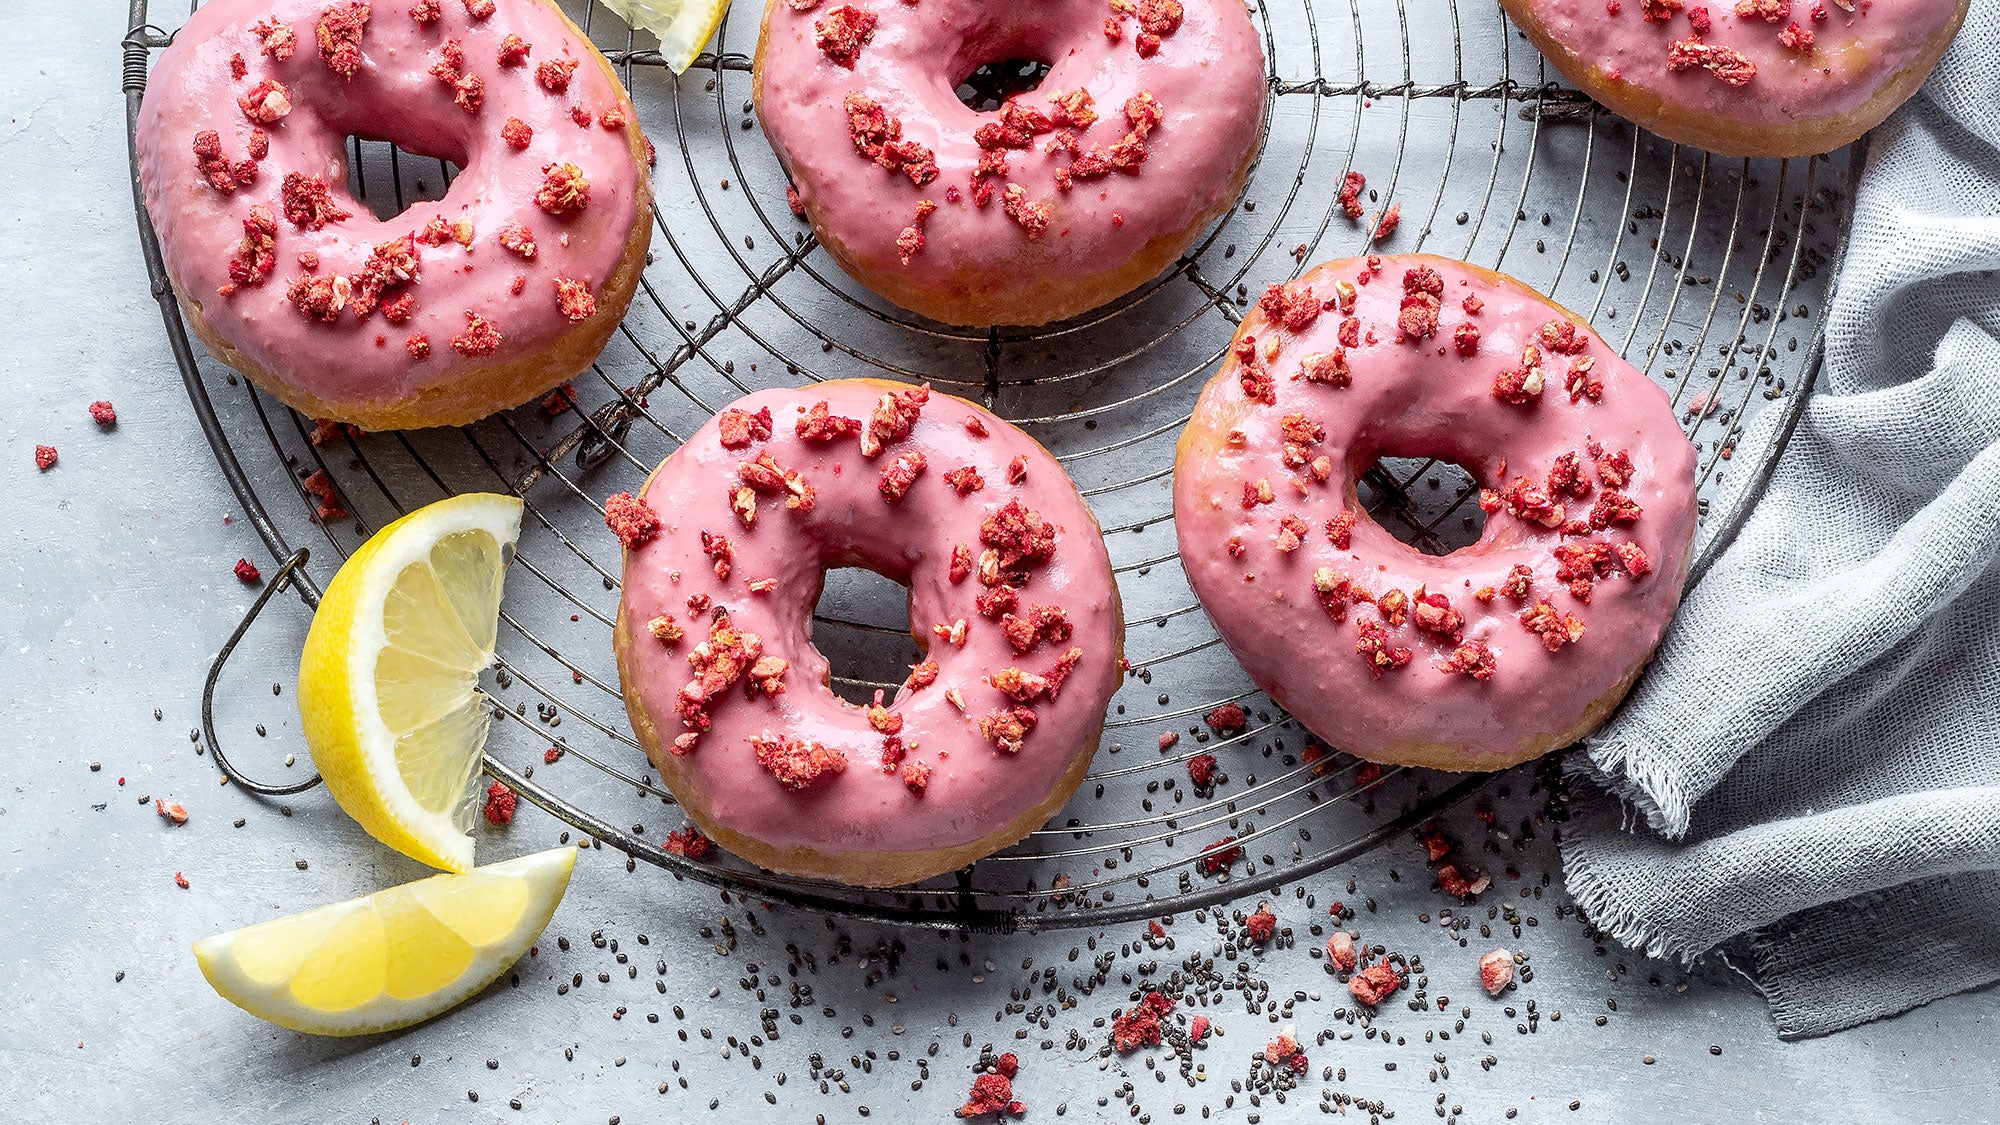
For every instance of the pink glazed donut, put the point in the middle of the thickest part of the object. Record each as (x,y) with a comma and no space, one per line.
(1746,77)
(1141,135)
(1011,600)
(482,300)
(1496,653)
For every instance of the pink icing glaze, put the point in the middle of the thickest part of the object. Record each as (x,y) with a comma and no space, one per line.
(1851,55)
(1207,76)
(391,95)
(1426,399)
(974,789)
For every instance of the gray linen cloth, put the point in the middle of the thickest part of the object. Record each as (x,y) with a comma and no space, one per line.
(1808,779)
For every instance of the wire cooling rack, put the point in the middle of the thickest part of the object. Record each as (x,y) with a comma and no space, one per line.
(1708,273)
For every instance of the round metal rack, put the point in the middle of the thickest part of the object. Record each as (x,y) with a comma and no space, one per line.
(1708,273)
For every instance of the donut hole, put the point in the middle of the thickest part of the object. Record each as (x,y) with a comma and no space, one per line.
(990,84)
(1428,503)
(389,180)
(862,628)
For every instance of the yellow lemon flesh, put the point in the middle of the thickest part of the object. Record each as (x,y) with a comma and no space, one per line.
(684,27)
(389,681)
(394,958)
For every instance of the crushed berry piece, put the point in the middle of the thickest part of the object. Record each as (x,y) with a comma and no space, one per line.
(1466,338)
(1770,11)
(1257,492)
(965,480)
(1226,719)
(1351,187)
(1334,591)
(797,763)
(500,802)
(45,457)
(326,498)
(1007,729)
(690,842)
(1659,11)
(1340,950)
(1375,983)
(900,474)
(1283,1050)
(565,189)
(308,202)
(1615,469)
(1217,857)
(1373,645)
(1613,507)
(1473,659)
(426,10)
(103,413)
(1632,558)
(820,425)
(481,337)
(991,1093)
(1326,367)
(514,50)
(574,299)
(738,428)
(1041,623)
(1554,628)
(267,102)
(1022,536)
(1340,531)
(961,563)
(418,345)
(1496,971)
(1291,305)
(1729,65)
(1260,927)
(1385,227)
(631,519)
(1140,1026)
(553,75)
(1455,882)
(916,777)
(1032,217)
(895,415)
(517,133)
(275,39)
(1201,769)
(842,32)
(665,630)
(247,572)
(479,9)
(321,298)
(339,31)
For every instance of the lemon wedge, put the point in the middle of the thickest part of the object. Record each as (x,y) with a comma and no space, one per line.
(389,680)
(394,958)
(684,27)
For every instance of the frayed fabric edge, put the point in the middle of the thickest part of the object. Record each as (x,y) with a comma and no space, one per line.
(1639,780)
(1618,920)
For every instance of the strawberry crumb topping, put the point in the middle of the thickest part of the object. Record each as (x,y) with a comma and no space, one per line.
(480,337)
(564,191)
(1217,857)
(1729,65)
(308,202)
(1375,983)
(247,572)
(821,425)
(900,474)
(1201,770)
(1373,645)
(1226,719)
(895,414)
(877,134)
(1473,659)
(796,763)
(513,50)
(842,32)
(1340,531)
(1496,972)
(1021,535)
(339,32)
(1340,950)
(1351,187)
(1260,927)
(1554,628)
(1139,1026)
(1007,729)
(689,841)
(517,133)
(738,428)
(45,457)
(267,102)
(574,299)
(500,802)
(1417,319)
(553,75)
(1291,305)
(631,519)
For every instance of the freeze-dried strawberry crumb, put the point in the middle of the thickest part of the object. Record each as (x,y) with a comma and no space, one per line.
(916,777)
(553,75)
(1496,971)
(1555,629)
(1007,729)
(895,414)
(517,133)
(1578,382)
(426,10)
(1385,227)
(479,9)
(900,474)
(1373,645)
(1433,613)
(1257,492)
(842,32)
(1375,983)
(690,842)
(991,1093)
(267,102)
(1340,949)
(308,202)
(1326,367)
(1292,532)
(1797,38)
(1473,659)
(631,519)
(1140,1025)
(103,413)
(1334,590)
(481,337)
(1201,769)
(1632,558)
(738,428)
(517,239)
(247,572)
(1455,882)
(922,675)
(320,298)
(514,50)
(275,39)
(1226,719)
(1217,857)
(1261,926)
(797,763)
(1290,305)
(1465,338)
(1340,531)
(961,563)
(877,134)
(665,629)
(1021,535)
(45,457)
(574,299)
(418,345)
(965,480)
(1615,469)
(1033,217)
(1729,65)
(1613,507)
(339,31)
(1351,187)
(1041,623)
(818,424)
(500,802)
(565,189)
(1770,11)
(1417,316)
(1521,385)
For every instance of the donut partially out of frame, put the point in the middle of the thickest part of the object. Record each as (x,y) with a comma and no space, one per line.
(1749,77)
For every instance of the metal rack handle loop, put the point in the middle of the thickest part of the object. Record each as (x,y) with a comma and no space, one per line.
(279,581)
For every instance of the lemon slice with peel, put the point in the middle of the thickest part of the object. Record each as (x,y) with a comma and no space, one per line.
(394,958)
(389,680)
(683,26)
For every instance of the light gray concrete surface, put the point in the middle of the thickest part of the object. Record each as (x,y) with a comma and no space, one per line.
(115,589)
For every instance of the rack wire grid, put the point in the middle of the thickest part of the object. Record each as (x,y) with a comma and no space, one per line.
(1708,273)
